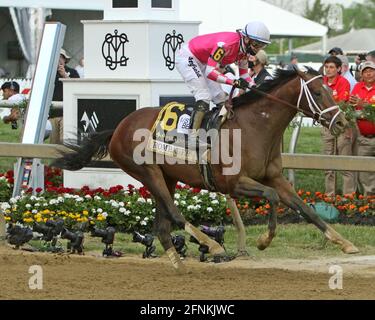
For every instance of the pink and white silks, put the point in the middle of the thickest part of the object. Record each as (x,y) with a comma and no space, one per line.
(199,62)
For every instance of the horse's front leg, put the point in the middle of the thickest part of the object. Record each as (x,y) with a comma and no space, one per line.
(290,198)
(250,188)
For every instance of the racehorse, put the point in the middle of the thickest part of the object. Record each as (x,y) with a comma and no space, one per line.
(262,115)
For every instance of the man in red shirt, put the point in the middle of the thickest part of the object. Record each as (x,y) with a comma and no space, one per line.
(344,144)
(364,93)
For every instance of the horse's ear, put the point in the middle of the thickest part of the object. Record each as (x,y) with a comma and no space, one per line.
(302,72)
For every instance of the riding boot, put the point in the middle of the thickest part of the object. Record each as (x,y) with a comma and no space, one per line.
(201,108)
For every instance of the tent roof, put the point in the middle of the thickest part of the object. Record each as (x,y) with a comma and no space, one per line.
(216,15)
(224,15)
(353,42)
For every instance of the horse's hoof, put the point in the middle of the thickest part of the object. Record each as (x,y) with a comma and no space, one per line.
(219,258)
(263,242)
(350,249)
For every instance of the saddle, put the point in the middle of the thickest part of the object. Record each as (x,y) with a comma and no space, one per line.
(170,132)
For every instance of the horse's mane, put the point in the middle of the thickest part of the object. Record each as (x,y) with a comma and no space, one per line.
(280,77)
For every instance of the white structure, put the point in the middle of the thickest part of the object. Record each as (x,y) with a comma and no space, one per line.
(128,65)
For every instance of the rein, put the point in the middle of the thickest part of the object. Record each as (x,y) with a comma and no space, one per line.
(316,112)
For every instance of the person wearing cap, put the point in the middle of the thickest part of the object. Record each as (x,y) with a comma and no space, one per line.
(371,56)
(293,63)
(336,51)
(364,93)
(11,92)
(200,60)
(258,65)
(344,144)
(345,71)
(63,72)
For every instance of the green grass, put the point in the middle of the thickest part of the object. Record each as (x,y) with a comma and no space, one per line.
(299,241)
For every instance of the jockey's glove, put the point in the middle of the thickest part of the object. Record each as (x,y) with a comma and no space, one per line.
(241,83)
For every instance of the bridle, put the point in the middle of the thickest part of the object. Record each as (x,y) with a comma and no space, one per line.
(316,113)
(315,110)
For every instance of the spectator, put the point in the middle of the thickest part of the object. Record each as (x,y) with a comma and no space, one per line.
(281,65)
(335,51)
(80,67)
(260,74)
(3,73)
(371,56)
(345,71)
(340,90)
(359,59)
(364,92)
(11,92)
(293,62)
(63,71)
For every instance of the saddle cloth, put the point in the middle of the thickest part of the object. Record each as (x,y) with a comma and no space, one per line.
(171,129)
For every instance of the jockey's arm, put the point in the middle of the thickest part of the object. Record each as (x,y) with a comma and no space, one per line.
(243,69)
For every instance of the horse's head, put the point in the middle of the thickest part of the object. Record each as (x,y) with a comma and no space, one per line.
(316,101)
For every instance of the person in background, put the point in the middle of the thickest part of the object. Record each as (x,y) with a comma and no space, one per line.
(11,92)
(345,71)
(358,60)
(364,93)
(56,118)
(371,56)
(340,90)
(80,67)
(293,62)
(258,65)
(333,52)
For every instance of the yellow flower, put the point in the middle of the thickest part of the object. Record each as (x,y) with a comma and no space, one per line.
(28,220)
(8,211)
(7,218)
(46,211)
(85,212)
(39,219)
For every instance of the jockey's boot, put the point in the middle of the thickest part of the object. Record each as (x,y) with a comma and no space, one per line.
(201,107)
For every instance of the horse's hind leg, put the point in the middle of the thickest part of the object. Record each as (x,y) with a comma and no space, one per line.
(288,196)
(251,188)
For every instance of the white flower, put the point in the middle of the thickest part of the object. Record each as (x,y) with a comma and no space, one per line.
(137,218)
(146,219)
(28,206)
(37,205)
(115,204)
(93,210)
(5,206)
(213,195)
(53,201)
(183,202)
(97,198)
(143,223)
(197,207)
(121,204)
(176,203)
(122,210)
(45,204)
(99,210)
(209,209)
(127,213)
(153,210)
(87,196)
(203,192)
(105,214)
(34,211)
(149,201)
(60,199)
(32,198)
(141,200)
(79,199)
(12,200)
(3,178)
(215,202)
(177,196)
(195,198)
(190,208)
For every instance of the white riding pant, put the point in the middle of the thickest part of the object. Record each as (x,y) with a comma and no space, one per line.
(194,74)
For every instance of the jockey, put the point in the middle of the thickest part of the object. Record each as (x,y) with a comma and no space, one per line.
(201,61)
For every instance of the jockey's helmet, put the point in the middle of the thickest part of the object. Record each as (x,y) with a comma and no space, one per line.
(258,34)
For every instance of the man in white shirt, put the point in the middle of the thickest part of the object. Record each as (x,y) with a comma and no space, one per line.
(345,71)
(11,93)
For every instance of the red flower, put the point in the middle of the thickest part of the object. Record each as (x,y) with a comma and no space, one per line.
(38,190)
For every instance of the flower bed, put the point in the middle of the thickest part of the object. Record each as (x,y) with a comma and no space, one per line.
(134,209)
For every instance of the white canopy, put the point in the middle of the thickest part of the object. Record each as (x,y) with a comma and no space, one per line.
(353,42)
(227,15)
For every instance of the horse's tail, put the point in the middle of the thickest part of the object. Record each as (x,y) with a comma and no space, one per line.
(94,146)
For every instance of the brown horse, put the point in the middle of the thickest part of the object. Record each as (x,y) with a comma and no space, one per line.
(262,120)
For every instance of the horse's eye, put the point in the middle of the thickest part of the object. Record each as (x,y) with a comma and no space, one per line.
(318,94)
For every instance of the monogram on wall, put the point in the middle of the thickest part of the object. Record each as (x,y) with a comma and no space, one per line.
(113,50)
(171,43)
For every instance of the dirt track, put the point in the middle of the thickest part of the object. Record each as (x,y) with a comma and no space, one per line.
(88,277)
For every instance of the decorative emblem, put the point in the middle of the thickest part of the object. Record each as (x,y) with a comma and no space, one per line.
(171,44)
(335,17)
(89,123)
(113,50)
